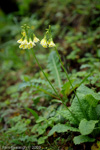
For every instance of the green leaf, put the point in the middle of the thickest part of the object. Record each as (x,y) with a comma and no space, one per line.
(98,110)
(87,91)
(56,101)
(42,128)
(33,113)
(25,78)
(24,85)
(91,100)
(34,129)
(18,128)
(92,113)
(41,140)
(44,88)
(82,139)
(84,94)
(66,114)
(28,138)
(86,127)
(40,119)
(59,128)
(55,67)
(40,81)
(66,87)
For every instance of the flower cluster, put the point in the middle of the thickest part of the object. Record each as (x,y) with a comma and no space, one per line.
(46,43)
(25,44)
(28,41)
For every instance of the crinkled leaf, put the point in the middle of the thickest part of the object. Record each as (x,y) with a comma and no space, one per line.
(59,128)
(87,91)
(66,114)
(92,113)
(84,94)
(82,139)
(98,110)
(91,100)
(86,127)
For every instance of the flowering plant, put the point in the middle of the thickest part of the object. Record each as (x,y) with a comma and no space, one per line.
(28,41)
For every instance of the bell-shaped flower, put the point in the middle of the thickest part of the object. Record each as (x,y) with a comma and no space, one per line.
(23,44)
(51,44)
(30,44)
(44,43)
(35,40)
(20,41)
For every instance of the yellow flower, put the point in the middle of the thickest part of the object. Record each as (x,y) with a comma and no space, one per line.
(23,33)
(44,43)
(30,44)
(51,44)
(23,44)
(20,41)
(35,40)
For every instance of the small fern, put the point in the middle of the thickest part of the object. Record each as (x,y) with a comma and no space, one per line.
(41,81)
(40,85)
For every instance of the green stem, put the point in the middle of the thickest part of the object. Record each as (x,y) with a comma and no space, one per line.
(70,82)
(45,75)
(54,88)
(28,55)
